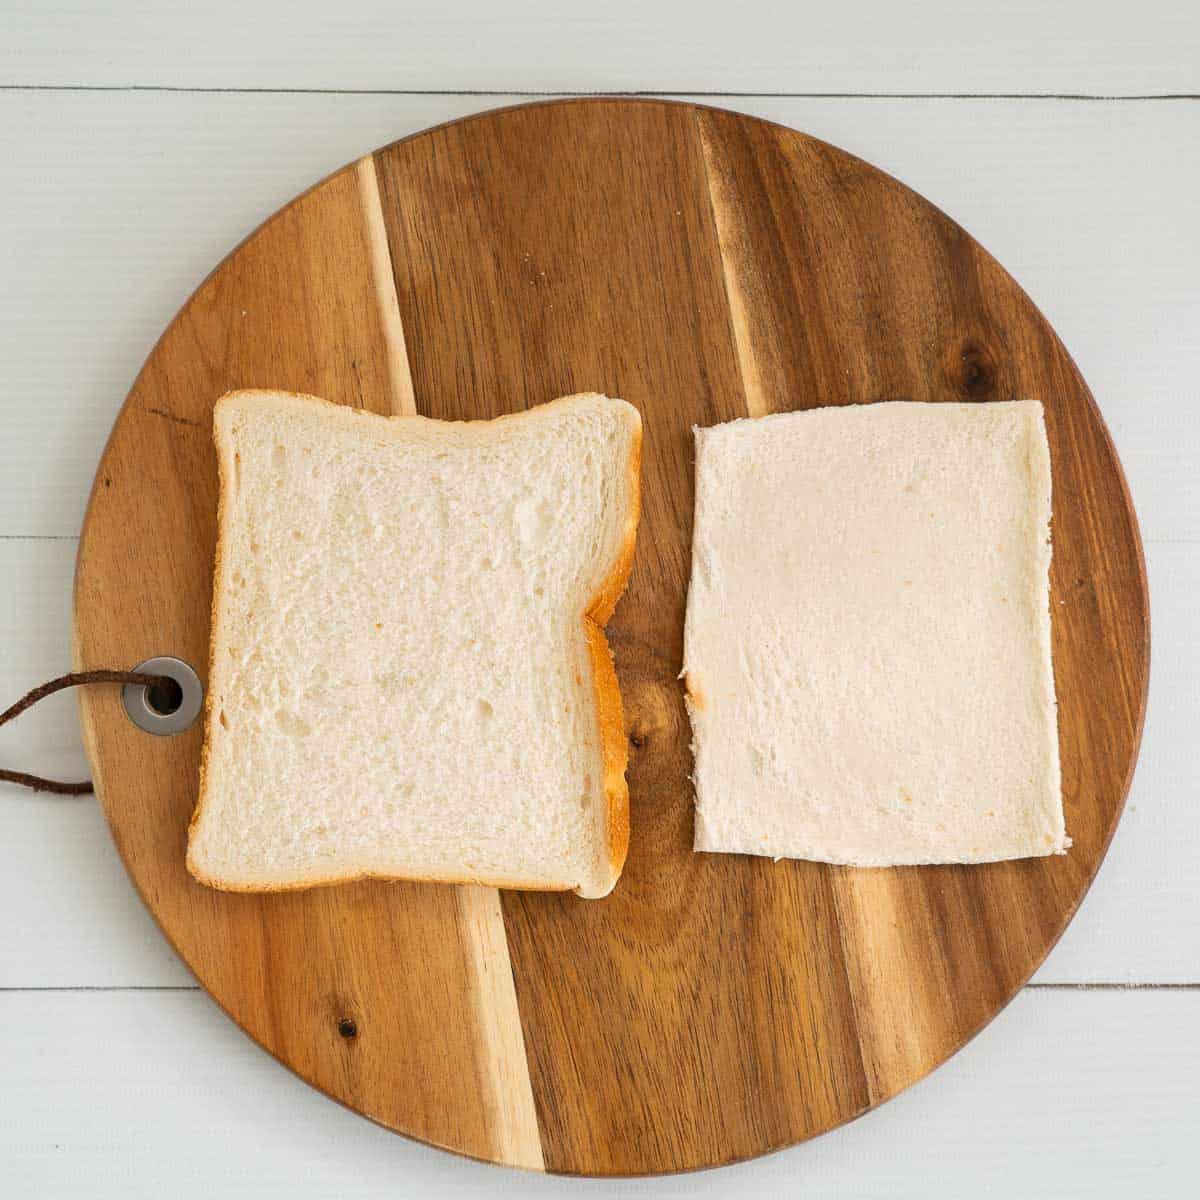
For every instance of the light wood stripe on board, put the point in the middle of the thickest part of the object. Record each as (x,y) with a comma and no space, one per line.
(509,1108)
(725,220)
(402,400)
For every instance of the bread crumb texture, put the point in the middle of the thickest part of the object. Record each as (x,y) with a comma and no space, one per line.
(868,625)
(400,682)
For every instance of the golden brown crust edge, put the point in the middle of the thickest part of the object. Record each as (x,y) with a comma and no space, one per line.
(609,709)
(303,885)
(613,752)
(614,748)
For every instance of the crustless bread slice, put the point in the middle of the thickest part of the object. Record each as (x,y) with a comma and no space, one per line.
(408,675)
(868,636)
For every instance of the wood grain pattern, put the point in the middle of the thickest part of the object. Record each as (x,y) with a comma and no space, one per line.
(294,307)
(703,266)
(853,289)
(507,1096)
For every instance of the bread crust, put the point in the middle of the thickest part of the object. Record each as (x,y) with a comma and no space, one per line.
(364,877)
(606,689)
(614,747)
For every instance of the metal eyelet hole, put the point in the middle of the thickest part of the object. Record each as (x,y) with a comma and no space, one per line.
(168,707)
(165,697)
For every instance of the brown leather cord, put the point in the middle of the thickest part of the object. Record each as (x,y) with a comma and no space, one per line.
(36,782)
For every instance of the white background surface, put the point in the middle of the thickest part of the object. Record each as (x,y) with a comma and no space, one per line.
(139,142)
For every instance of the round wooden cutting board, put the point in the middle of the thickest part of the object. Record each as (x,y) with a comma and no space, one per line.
(704,266)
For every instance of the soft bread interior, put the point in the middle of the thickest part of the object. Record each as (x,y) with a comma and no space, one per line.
(402,682)
(867,647)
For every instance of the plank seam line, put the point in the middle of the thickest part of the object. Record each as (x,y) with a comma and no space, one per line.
(201,89)
(39,537)
(1112,987)
(105,987)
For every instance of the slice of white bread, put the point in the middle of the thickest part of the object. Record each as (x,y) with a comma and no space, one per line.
(408,674)
(867,648)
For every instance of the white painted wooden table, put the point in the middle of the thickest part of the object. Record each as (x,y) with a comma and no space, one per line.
(140,141)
